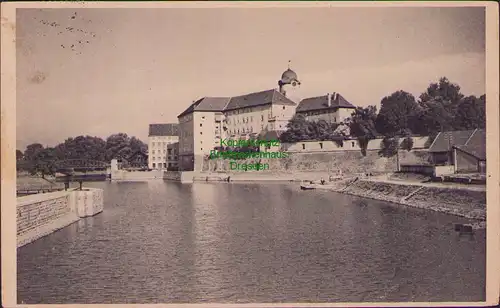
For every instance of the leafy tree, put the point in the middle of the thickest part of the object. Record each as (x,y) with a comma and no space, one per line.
(19,155)
(395,111)
(362,126)
(407,144)
(43,163)
(32,150)
(298,129)
(444,91)
(389,146)
(471,113)
(118,146)
(438,107)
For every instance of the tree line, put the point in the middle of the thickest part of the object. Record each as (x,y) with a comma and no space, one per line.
(39,159)
(442,107)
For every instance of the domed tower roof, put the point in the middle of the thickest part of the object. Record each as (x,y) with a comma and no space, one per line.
(289,75)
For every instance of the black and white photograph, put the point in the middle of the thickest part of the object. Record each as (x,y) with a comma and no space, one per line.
(267,153)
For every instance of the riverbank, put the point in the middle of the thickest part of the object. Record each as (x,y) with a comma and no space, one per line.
(458,200)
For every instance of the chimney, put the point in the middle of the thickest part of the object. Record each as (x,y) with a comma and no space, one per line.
(329,98)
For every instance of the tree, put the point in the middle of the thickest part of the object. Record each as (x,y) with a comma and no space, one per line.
(389,146)
(43,163)
(395,111)
(32,150)
(438,107)
(407,144)
(19,155)
(444,91)
(362,126)
(471,113)
(118,146)
(298,129)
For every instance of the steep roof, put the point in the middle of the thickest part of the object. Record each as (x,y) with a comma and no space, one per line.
(444,141)
(258,98)
(206,104)
(475,145)
(168,129)
(321,103)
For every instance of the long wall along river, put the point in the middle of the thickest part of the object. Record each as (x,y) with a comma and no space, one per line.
(167,242)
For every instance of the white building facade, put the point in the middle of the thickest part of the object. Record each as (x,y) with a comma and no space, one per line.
(161,136)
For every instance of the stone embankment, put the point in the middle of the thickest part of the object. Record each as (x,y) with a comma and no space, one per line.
(42,214)
(460,201)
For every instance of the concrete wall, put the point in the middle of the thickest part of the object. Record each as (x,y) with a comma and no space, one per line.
(41,214)
(183,177)
(124,175)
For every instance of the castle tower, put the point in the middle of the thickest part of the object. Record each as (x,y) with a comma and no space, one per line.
(289,84)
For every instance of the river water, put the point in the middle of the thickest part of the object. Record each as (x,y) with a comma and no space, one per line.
(163,242)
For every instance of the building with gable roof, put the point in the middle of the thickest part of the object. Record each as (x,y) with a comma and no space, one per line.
(210,120)
(465,150)
(332,107)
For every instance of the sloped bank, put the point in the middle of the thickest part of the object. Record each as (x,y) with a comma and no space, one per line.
(456,201)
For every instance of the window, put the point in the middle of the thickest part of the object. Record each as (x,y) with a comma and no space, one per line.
(203,117)
(154,165)
(352,143)
(154,143)
(169,151)
(201,125)
(202,149)
(303,146)
(153,151)
(164,165)
(262,117)
(321,145)
(201,133)
(283,107)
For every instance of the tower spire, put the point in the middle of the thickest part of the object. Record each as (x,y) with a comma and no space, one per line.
(289,63)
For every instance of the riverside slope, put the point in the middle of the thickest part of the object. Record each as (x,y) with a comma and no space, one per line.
(459,200)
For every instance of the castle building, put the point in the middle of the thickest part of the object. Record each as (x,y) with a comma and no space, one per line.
(160,144)
(209,120)
(331,107)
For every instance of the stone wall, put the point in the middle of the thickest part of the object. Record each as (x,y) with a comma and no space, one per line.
(41,214)
(347,161)
(36,210)
(124,175)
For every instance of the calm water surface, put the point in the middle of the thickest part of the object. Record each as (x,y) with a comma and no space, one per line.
(163,242)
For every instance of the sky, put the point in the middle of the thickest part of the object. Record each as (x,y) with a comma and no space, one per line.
(129,68)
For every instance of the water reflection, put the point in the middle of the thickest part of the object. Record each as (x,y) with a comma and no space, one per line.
(204,242)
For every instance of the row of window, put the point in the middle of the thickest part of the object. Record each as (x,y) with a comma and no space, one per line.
(162,158)
(160,151)
(160,144)
(244,110)
(163,165)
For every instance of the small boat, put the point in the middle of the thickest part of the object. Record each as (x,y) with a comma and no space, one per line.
(306,187)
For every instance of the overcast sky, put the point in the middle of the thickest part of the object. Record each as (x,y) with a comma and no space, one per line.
(143,66)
